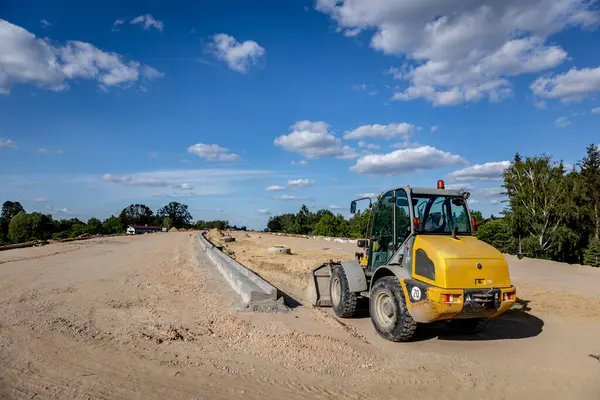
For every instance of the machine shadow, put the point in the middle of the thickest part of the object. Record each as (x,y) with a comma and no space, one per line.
(516,323)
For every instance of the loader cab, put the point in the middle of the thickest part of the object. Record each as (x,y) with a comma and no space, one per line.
(403,213)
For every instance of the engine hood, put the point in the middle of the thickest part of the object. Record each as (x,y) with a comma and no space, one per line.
(464,262)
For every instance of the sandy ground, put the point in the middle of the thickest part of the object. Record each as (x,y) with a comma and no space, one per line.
(146,318)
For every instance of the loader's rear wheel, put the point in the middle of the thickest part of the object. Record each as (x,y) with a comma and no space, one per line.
(343,300)
(467,326)
(389,313)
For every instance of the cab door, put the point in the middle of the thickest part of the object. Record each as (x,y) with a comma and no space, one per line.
(382,243)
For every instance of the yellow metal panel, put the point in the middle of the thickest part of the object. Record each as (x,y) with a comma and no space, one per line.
(456,262)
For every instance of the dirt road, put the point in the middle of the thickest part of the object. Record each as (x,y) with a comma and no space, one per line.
(141,317)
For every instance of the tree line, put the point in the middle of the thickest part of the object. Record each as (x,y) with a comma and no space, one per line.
(17,225)
(323,223)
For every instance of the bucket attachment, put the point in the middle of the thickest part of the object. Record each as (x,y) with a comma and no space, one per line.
(318,288)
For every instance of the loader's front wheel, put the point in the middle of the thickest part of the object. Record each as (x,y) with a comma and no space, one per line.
(389,313)
(343,300)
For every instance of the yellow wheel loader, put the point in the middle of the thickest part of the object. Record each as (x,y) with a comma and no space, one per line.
(421,263)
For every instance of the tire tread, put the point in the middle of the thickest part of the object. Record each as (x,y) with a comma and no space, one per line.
(349,300)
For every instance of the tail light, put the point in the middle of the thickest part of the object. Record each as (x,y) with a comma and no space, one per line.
(475,225)
(416,223)
(509,296)
(447,298)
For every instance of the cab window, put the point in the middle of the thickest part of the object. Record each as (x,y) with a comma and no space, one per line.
(402,217)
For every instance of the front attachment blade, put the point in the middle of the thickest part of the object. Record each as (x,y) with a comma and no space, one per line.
(318,288)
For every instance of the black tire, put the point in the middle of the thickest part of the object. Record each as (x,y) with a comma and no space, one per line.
(344,303)
(467,326)
(389,313)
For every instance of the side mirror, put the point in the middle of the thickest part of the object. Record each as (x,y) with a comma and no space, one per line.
(362,243)
(353,207)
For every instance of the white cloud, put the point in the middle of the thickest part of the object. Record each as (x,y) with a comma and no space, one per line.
(173,183)
(495,201)
(352,32)
(596,110)
(491,171)
(212,152)
(540,105)
(27,59)
(291,198)
(370,195)
(368,146)
(151,73)
(562,122)
(573,85)
(434,128)
(7,144)
(153,154)
(310,139)
(348,153)
(302,163)
(381,131)
(405,144)
(61,210)
(474,201)
(148,21)
(264,211)
(44,23)
(238,56)
(490,192)
(50,151)
(336,207)
(275,188)
(40,200)
(404,161)
(24,58)
(117,24)
(360,87)
(134,181)
(459,186)
(463,51)
(300,183)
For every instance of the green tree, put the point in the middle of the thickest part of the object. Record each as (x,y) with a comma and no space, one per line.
(274,224)
(360,223)
(590,177)
(497,233)
(112,225)
(94,226)
(9,210)
(177,212)
(167,223)
(302,223)
(136,214)
(592,253)
(539,201)
(78,230)
(24,227)
(326,226)
(332,225)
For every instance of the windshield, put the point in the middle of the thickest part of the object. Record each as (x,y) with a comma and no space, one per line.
(440,214)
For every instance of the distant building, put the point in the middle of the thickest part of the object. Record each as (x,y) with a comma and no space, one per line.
(139,229)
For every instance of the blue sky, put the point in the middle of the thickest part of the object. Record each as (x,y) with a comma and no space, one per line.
(213,103)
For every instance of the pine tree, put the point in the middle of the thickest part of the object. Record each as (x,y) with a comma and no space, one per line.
(590,175)
(591,256)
